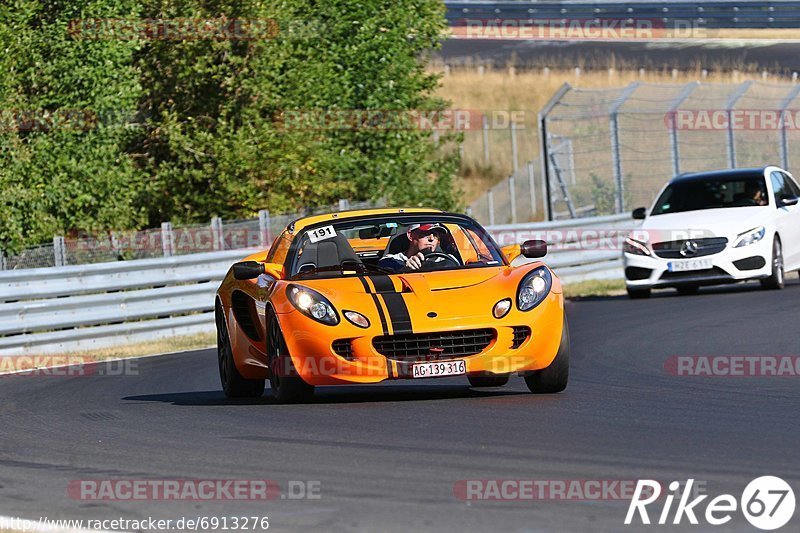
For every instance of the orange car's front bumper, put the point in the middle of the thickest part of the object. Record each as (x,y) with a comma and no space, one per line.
(310,345)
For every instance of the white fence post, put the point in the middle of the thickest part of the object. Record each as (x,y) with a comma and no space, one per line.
(167,239)
(513,198)
(532,187)
(490,199)
(59,251)
(263,228)
(486,155)
(216,234)
(514,164)
(344,205)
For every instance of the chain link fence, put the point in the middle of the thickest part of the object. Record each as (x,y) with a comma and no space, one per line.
(608,151)
(166,241)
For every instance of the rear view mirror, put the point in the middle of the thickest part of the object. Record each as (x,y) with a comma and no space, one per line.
(247,270)
(639,213)
(533,249)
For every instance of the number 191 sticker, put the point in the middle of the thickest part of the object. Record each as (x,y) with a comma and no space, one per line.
(320,234)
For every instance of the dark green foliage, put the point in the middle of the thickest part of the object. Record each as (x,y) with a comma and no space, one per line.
(190,129)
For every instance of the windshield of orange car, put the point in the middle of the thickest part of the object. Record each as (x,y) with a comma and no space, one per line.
(384,245)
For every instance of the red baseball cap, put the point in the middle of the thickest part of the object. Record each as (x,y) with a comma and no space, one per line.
(427,227)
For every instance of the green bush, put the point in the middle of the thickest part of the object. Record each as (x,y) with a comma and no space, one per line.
(208,135)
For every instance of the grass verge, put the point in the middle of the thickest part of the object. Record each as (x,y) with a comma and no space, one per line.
(163,346)
(594,287)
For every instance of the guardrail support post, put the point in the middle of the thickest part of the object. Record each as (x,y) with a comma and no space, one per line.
(513,198)
(344,205)
(531,186)
(486,157)
(263,228)
(2,260)
(167,239)
(216,234)
(59,251)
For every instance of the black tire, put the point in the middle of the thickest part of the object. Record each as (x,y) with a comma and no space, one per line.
(287,386)
(777,279)
(479,381)
(638,294)
(554,378)
(688,290)
(233,384)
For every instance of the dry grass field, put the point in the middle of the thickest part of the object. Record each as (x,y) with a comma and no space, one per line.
(500,91)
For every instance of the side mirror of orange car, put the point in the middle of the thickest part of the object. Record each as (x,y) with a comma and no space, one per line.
(512,251)
(534,249)
(247,270)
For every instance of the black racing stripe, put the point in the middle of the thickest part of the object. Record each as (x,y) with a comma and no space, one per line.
(381,314)
(398,312)
(389,369)
(382,283)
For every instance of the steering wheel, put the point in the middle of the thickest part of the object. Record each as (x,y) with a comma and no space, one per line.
(447,259)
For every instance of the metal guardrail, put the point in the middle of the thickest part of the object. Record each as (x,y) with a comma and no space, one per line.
(82,307)
(710,14)
(582,249)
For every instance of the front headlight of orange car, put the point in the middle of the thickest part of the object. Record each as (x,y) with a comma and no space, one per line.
(534,288)
(312,304)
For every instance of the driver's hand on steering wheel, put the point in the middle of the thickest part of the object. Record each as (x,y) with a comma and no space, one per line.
(415,261)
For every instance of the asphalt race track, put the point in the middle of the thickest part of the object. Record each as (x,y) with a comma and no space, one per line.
(775,56)
(388,457)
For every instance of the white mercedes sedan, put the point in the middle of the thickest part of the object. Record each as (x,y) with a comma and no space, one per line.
(718,227)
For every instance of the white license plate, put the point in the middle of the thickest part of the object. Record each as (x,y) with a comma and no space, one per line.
(435,370)
(690,264)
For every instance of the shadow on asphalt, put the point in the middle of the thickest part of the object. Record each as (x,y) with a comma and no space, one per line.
(337,395)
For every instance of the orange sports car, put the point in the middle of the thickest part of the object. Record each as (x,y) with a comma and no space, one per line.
(367,296)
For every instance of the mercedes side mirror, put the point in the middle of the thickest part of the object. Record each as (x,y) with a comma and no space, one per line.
(785,202)
(639,213)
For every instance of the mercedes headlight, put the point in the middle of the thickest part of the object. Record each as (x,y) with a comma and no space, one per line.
(750,237)
(632,246)
(534,288)
(312,304)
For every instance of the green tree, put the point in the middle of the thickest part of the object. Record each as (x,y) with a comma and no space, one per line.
(70,172)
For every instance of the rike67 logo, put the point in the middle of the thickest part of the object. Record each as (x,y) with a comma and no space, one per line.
(767,502)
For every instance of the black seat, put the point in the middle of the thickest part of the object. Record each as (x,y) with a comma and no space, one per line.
(398,243)
(327,253)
